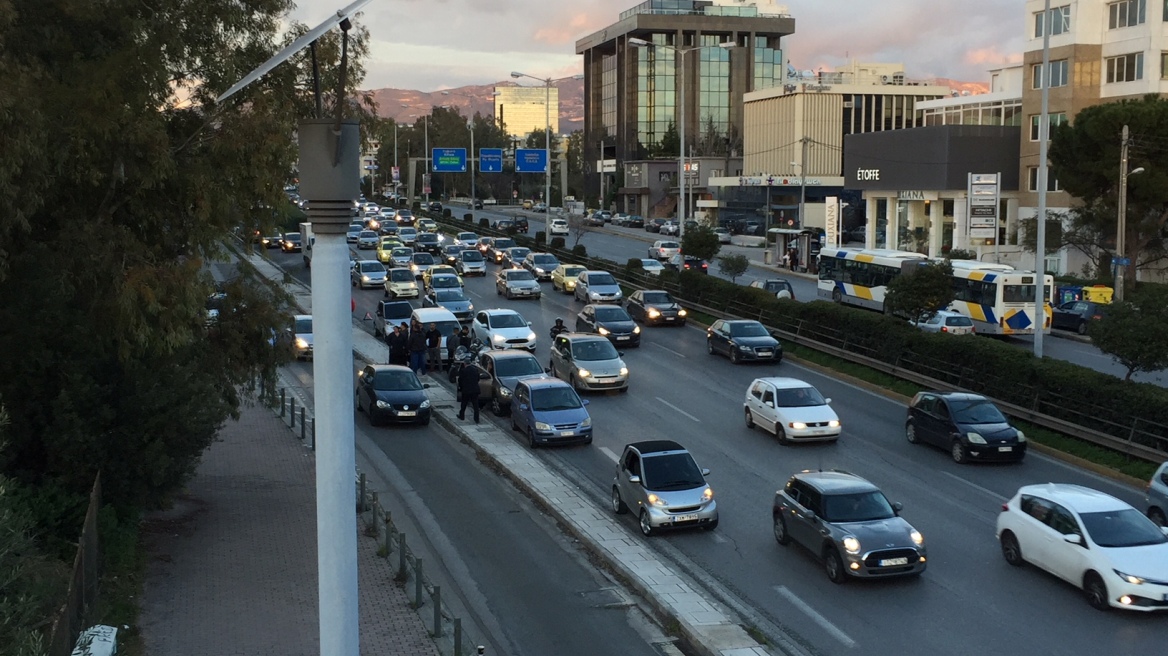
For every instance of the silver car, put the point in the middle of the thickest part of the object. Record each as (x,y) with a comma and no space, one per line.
(471,263)
(661,483)
(951,323)
(597,287)
(401,256)
(517,283)
(367,239)
(368,273)
(588,362)
(849,524)
(452,299)
(1158,496)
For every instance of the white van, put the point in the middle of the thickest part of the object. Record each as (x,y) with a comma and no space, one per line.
(443,318)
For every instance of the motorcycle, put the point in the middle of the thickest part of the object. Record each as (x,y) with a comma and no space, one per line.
(464,356)
(557,330)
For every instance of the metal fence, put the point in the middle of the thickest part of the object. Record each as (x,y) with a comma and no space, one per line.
(83,586)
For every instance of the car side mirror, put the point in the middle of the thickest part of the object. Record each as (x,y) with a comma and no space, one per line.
(1073,538)
(827,400)
(425,385)
(528,324)
(769,404)
(523,406)
(810,515)
(1164,529)
(775,334)
(705,472)
(621,353)
(584,401)
(634,479)
(897,506)
(547,370)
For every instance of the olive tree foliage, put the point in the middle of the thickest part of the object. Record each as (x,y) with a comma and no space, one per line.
(1132,331)
(919,293)
(120,182)
(733,265)
(700,242)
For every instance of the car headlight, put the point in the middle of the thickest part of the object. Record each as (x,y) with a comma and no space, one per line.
(425,404)
(851,545)
(834,423)
(470,307)
(583,373)
(593,295)
(498,339)
(1021,436)
(571,284)
(681,313)
(413,267)
(504,392)
(383,405)
(587,423)
(301,343)
(624,371)
(1134,580)
(917,538)
(540,271)
(654,313)
(975,438)
(707,494)
(636,330)
(602,330)
(797,425)
(539,425)
(658,501)
(364,278)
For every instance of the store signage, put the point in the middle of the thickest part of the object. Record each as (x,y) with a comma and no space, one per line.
(983,198)
(772,181)
(831,220)
(867,174)
(915,195)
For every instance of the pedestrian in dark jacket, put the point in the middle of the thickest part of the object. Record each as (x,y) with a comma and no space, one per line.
(399,350)
(468,388)
(417,345)
(434,347)
(452,342)
(464,337)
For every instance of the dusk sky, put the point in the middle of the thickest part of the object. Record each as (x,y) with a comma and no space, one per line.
(430,45)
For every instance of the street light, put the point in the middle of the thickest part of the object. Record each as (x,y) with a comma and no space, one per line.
(547,134)
(682,52)
(1120,235)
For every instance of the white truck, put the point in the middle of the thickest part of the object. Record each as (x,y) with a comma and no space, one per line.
(307,239)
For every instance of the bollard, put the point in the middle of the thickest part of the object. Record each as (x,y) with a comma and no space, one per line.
(436,598)
(361,497)
(292,411)
(458,636)
(401,561)
(373,508)
(418,583)
(302,423)
(313,445)
(388,536)
(282,402)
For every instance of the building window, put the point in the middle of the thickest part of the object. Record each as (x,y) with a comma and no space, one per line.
(1125,68)
(1058,74)
(714,88)
(768,64)
(656,92)
(1056,119)
(1060,21)
(1052,184)
(1125,13)
(1164,63)
(608,95)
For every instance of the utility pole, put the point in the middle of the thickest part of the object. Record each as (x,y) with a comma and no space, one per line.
(1040,220)
(803,183)
(470,124)
(1120,235)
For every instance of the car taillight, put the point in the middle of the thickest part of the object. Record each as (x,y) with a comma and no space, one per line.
(1097,316)
(944,329)
(1005,507)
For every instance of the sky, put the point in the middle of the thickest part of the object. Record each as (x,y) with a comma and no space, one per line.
(431,45)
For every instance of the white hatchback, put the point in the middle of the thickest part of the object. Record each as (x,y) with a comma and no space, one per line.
(791,409)
(503,329)
(1116,555)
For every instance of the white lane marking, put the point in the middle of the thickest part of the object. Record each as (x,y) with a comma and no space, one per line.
(816,617)
(666,348)
(719,538)
(608,452)
(976,486)
(679,410)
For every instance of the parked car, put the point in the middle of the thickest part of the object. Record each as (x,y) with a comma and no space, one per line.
(655,306)
(471,263)
(969,426)
(654,225)
(564,277)
(669,228)
(662,484)
(663,249)
(944,321)
(611,321)
(451,298)
(1095,542)
(390,314)
(597,287)
(392,393)
(743,340)
(791,409)
(1157,496)
(588,362)
(401,283)
(505,369)
(689,263)
(517,283)
(501,329)
(780,287)
(368,273)
(594,219)
(541,265)
(847,523)
(723,235)
(635,221)
(1077,315)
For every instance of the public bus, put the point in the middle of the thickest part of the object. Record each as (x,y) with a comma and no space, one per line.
(861,276)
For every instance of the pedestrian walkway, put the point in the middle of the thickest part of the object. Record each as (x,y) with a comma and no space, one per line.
(232,566)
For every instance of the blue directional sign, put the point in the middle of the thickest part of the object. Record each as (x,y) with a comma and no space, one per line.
(531,160)
(449,160)
(1121,261)
(490,160)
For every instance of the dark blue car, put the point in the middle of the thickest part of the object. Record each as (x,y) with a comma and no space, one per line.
(549,411)
(968,426)
(391,393)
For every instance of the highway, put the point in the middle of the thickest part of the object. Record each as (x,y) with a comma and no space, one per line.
(968,602)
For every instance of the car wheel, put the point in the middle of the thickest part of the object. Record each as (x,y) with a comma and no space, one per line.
(497,408)
(711,526)
(424,422)
(837,296)
(618,504)
(959,453)
(1082,329)
(572,381)
(498,291)
(1096,591)
(710,346)
(910,433)
(1157,516)
(833,566)
(514,426)
(780,530)
(1011,550)
(357,400)
(780,434)
(749,419)
(734,357)
(646,527)
(531,438)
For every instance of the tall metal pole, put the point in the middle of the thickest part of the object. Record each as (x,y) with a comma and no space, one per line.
(395,164)
(1121,231)
(681,154)
(427,179)
(547,144)
(470,124)
(803,183)
(1040,220)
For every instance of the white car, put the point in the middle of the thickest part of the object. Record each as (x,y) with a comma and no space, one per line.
(407,235)
(651,266)
(558,227)
(663,249)
(503,329)
(368,273)
(952,323)
(723,235)
(468,239)
(401,283)
(1116,555)
(791,409)
(367,239)
(670,228)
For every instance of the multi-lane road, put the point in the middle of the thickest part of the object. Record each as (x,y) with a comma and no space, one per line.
(968,602)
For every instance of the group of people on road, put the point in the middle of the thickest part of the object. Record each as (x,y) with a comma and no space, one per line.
(420,348)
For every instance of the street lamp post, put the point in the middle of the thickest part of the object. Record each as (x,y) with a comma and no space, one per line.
(681,52)
(547,145)
(1121,231)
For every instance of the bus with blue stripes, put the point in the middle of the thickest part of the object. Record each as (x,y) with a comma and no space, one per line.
(861,276)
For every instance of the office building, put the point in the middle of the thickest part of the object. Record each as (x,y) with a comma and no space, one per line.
(524,110)
(632,94)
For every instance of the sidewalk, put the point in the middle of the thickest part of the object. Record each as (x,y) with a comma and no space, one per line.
(232,566)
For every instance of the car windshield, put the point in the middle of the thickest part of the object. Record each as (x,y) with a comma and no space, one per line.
(396,381)
(636,217)
(519,275)
(777,285)
(608,313)
(1122,528)
(554,398)
(403,252)
(408,231)
(472,256)
(518,253)
(798,397)
(401,275)
(444,281)
(423,258)
(546,261)
(670,244)
(404,213)
(507,321)
(501,244)
(303,326)
(673,471)
(594,350)
(601,279)
(572,272)
(370,267)
(428,236)
(466,236)
(750,329)
(368,234)
(449,295)
(857,507)
(356,230)
(453,249)
(527,366)
(976,412)
(657,297)
(651,264)
(960,322)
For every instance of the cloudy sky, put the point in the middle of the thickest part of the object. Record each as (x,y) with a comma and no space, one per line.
(430,45)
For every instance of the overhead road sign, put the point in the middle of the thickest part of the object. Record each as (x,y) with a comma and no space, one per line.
(490,160)
(449,160)
(531,160)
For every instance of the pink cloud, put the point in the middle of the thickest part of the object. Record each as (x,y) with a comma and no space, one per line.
(991,56)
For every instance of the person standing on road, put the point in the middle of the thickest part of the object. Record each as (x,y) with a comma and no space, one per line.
(400,349)
(417,345)
(434,348)
(468,388)
(452,342)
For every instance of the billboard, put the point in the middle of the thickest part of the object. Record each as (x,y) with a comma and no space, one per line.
(531,160)
(449,160)
(490,160)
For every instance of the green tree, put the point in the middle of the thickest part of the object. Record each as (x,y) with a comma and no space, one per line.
(733,265)
(920,292)
(1132,331)
(700,242)
(670,144)
(1085,158)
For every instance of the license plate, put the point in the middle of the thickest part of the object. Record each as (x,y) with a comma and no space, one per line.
(765,354)
(622,337)
(567,433)
(670,318)
(407,413)
(892,562)
(685,518)
(1005,449)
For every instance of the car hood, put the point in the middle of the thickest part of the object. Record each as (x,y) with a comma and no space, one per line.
(522,284)
(455,306)
(1150,561)
(682,498)
(880,534)
(412,397)
(306,337)
(621,327)
(605,289)
(510,381)
(513,333)
(809,414)
(756,341)
(573,416)
(473,265)
(998,431)
(663,307)
(601,367)
(403,283)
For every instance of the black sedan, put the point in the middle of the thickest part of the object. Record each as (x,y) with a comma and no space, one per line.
(429,242)
(1077,316)
(688,262)
(635,221)
(611,321)
(743,340)
(654,225)
(969,426)
(453,253)
(655,306)
(391,393)
(434,206)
